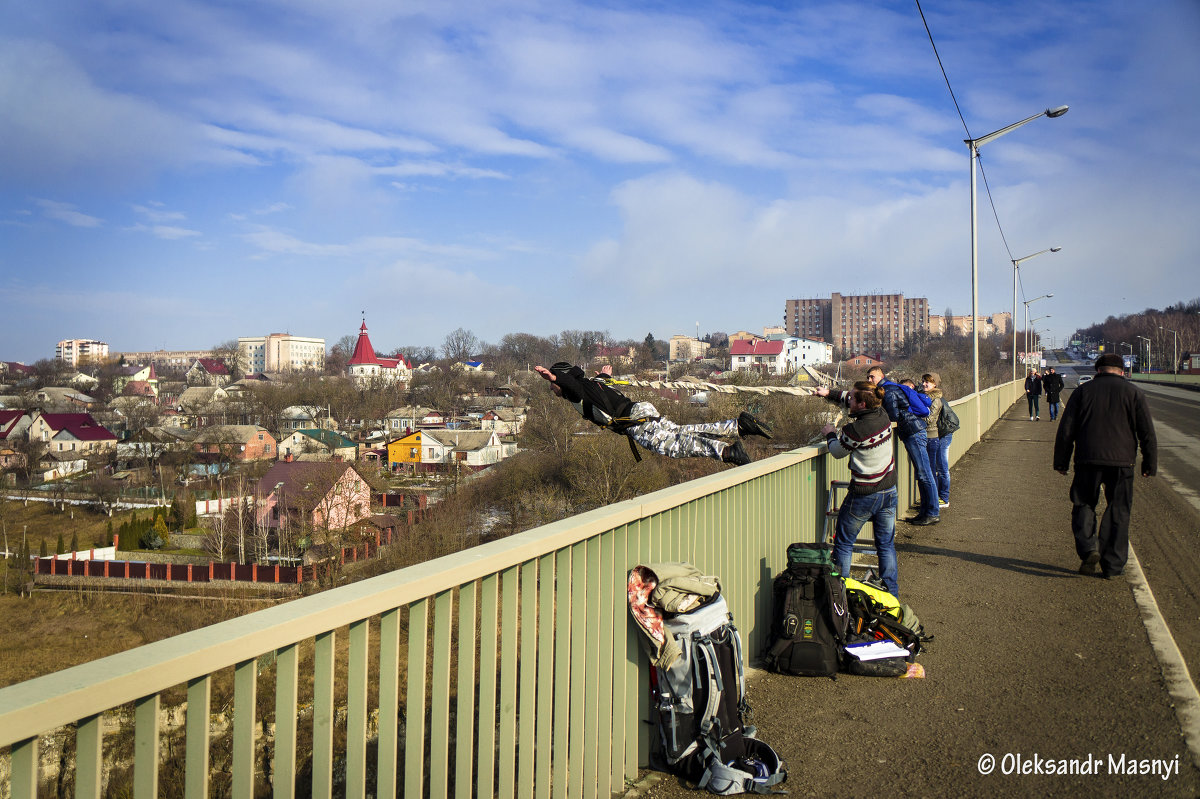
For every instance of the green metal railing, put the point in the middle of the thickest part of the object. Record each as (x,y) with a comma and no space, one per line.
(508,669)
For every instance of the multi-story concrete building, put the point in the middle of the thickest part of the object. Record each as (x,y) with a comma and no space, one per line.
(281,352)
(77,350)
(996,324)
(686,348)
(163,358)
(862,322)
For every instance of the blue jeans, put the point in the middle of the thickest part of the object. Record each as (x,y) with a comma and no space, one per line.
(938,450)
(918,455)
(1053,406)
(880,509)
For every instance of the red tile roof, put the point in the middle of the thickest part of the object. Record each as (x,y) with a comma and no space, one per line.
(743,347)
(214,366)
(364,353)
(81,425)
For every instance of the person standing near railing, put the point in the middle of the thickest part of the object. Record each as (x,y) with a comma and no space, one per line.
(937,444)
(867,440)
(1033,394)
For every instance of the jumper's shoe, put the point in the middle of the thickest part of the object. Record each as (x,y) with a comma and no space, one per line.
(1031,418)
(1037,419)
(1110,575)
(1088,565)
(943,503)
(749,426)
(735,453)
(922,520)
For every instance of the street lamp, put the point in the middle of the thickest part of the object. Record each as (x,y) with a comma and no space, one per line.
(973,146)
(1147,364)
(1175,365)
(1032,336)
(1027,323)
(1016,272)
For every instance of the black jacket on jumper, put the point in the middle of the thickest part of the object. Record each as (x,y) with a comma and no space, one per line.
(1104,422)
(598,402)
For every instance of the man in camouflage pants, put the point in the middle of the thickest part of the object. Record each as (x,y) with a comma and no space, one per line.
(641,421)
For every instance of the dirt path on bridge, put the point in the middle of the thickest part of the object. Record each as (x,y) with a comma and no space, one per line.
(1031,663)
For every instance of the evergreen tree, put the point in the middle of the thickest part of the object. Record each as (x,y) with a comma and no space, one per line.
(42,553)
(108,534)
(161,532)
(61,546)
(74,540)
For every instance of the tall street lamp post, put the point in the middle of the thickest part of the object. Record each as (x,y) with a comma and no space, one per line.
(1147,364)
(1175,365)
(1016,274)
(973,146)
(1027,323)
(1031,339)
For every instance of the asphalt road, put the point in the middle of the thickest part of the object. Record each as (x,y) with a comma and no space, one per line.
(1032,663)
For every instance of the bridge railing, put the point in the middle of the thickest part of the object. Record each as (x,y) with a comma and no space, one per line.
(508,669)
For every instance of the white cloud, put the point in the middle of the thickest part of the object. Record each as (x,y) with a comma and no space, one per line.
(65,212)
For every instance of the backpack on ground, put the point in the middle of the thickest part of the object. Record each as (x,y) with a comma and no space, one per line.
(809,622)
(948,420)
(877,615)
(700,703)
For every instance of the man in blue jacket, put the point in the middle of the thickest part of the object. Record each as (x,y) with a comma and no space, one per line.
(1105,422)
(907,409)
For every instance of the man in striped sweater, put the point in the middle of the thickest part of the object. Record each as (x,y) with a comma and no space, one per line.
(867,440)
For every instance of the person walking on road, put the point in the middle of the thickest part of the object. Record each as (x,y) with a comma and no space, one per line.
(1033,393)
(1052,384)
(1105,422)
(867,440)
(937,444)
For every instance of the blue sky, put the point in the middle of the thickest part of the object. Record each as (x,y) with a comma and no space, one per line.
(177,174)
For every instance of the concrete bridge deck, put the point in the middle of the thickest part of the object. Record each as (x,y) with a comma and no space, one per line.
(1032,662)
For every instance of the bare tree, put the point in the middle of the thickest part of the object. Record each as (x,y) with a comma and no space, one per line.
(229,353)
(460,345)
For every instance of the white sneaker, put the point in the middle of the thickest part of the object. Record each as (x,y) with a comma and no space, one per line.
(1031,418)
(943,503)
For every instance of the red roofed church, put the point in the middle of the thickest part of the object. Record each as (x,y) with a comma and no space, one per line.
(365,365)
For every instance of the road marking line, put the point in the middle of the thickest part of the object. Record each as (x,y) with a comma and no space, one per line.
(1180,686)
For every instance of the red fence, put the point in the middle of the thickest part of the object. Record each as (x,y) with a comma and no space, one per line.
(212,572)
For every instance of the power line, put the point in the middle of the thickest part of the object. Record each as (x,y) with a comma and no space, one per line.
(954,99)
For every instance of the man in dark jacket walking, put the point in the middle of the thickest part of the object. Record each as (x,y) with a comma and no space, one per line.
(1105,422)
(1052,384)
(1033,393)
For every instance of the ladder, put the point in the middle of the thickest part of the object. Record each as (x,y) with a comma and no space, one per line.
(863,557)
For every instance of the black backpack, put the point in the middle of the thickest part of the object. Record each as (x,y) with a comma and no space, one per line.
(948,420)
(810,616)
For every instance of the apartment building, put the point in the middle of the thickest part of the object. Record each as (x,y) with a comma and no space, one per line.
(858,322)
(686,348)
(281,352)
(999,323)
(80,350)
(163,358)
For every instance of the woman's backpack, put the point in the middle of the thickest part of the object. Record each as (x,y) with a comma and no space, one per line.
(948,420)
